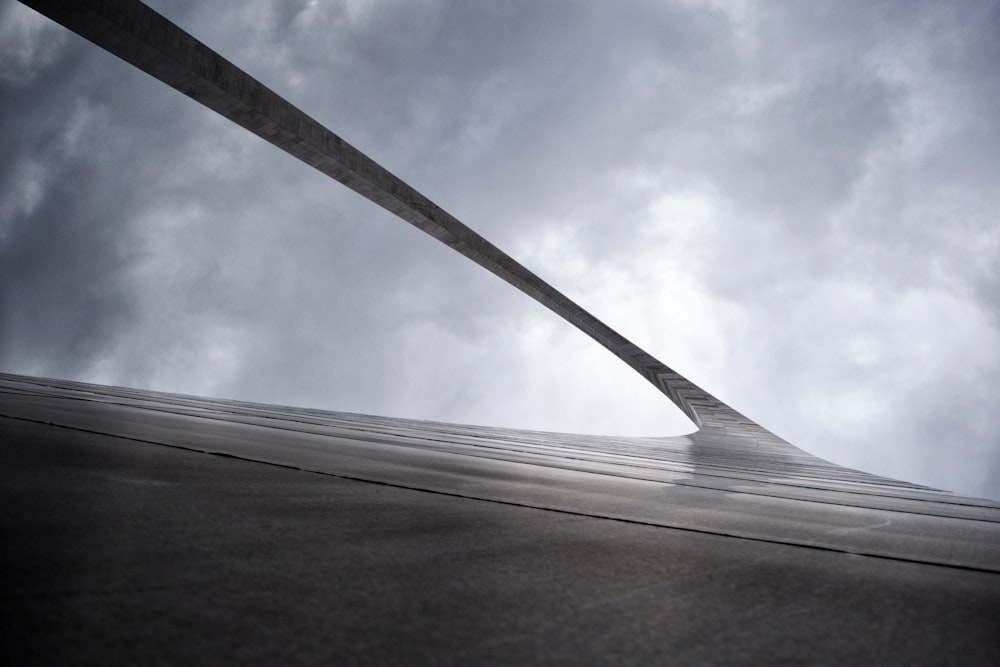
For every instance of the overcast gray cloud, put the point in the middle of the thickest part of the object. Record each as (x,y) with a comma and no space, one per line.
(794,204)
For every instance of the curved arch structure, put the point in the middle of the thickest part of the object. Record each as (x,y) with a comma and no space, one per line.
(730,479)
(144,38)
(141,36)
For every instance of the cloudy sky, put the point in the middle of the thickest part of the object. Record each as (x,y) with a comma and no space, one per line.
(794,204)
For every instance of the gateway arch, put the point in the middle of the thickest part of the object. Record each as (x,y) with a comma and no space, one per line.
(194,529)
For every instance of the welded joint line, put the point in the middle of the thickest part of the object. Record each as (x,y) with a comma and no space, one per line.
(255,412)
(719,469)
(541,462)
(511,503)
(368,436)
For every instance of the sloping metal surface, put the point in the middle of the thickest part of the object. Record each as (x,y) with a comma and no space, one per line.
(699,482)
(154,528)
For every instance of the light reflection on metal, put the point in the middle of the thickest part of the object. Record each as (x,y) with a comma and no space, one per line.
(703,483)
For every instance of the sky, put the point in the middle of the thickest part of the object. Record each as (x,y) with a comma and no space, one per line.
(794,204)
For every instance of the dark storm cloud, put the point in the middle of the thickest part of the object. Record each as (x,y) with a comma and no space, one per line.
(59,241)
(794,204)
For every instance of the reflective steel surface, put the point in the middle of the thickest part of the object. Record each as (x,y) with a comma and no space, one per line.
(145,527)
(699,482)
